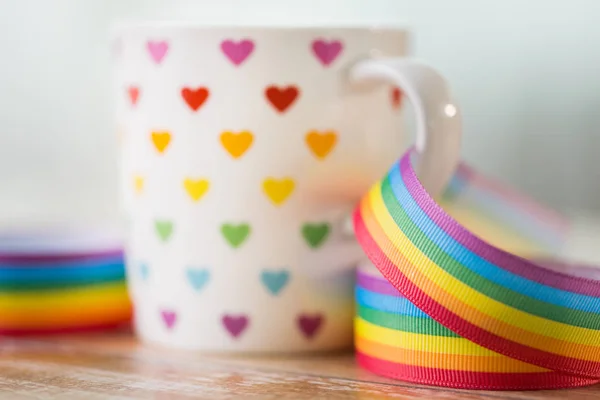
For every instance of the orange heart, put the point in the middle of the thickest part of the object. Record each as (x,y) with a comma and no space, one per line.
(237,143)
(161,140)
(195,97)
(321,144)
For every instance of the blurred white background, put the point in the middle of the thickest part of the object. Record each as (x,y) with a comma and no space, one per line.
(525,71)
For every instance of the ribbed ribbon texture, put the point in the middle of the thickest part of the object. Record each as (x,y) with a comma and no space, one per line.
(447,307)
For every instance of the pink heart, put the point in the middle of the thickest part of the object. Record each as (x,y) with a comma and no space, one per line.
(327,52)
(310,324)
(235,325)
(237,52)
(157,50)
(169,318)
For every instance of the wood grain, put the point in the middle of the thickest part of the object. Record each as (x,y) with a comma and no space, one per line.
(118,367)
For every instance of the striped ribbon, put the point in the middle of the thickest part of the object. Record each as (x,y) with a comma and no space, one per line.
(46,310)
(54,275)
(449,308)
(62,281)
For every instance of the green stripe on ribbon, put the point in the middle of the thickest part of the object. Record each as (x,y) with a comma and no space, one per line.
(459,271)
(405,323)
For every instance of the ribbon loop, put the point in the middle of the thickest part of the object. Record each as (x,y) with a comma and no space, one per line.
(477,316)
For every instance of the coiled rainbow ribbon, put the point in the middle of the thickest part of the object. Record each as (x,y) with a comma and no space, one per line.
(448,308)
(49,284)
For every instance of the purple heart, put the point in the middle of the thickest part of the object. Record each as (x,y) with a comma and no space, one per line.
(237,52)
(169,317)
(157,50)
(235,324)
(310,324)
(327,52)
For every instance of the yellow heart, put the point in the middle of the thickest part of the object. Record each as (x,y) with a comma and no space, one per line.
(196,188)
(138,184)
(237,143)
(278,190)
(161,140)
(321,144)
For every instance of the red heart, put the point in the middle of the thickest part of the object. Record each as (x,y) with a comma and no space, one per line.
(134,93)
(195,98)
(282,99)
(396,97)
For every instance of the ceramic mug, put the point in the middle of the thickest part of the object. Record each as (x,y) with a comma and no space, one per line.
(243,150)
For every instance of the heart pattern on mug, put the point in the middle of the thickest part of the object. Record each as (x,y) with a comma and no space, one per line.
(327,52)
(157,50)
(321,144)
(237,52)
(244,144)
(235,235)
(196,188)
(282,98)
(197,277)
(396,97)
(278,190)
(237,144)
(169,318)
(195,98)
(138,184)
(235,324)
(144,271)
(161,140)
(134,93)
(310,324)
(315,234)
(274,281)
(164,229)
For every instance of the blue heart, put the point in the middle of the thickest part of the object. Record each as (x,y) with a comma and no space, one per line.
(198,278)
(144,271)
(275,281)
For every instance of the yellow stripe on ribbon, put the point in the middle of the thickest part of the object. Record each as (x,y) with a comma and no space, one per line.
(70,307)
(419,342)
(509,322)
(451,362)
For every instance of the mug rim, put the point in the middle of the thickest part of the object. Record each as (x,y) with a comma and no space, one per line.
(125,25)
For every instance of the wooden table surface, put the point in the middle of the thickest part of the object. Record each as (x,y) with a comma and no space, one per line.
(116,366)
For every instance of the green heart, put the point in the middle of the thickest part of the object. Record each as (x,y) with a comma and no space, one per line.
(315,234)
(164,229)
(235,234)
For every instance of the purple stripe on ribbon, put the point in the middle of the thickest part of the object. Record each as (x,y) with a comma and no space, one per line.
(376,285)
(27,259)
(516,265)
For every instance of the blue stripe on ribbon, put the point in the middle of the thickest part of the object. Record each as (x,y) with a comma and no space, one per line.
(74,273)
(481,266)
(390,304)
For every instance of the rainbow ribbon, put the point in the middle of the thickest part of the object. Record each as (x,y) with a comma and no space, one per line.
(61,283)
(449,308)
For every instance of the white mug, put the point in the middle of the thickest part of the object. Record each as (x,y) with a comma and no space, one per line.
(244,149)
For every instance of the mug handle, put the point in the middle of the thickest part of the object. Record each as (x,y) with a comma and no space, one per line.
(438,122)
(438,136)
